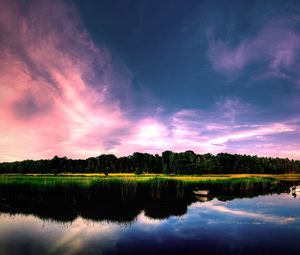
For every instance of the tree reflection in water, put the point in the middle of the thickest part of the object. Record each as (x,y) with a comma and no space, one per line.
(119,203)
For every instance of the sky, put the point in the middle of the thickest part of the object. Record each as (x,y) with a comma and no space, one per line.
(84,78)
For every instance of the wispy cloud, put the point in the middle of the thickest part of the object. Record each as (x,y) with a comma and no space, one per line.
(71,239)
(274,51)
(61,94)
(57,87)
(215,205)
(219,129)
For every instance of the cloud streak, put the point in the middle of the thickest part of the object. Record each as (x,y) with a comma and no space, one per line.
(274,51)
(63,95)
(216,206)
(56,85)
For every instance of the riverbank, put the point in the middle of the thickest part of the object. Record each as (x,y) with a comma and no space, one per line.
(91,179)
(64,197)
(127,175)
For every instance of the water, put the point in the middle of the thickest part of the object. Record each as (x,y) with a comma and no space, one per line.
(264,224)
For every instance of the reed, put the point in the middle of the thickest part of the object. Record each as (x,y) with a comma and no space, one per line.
(90,180)
(131,186)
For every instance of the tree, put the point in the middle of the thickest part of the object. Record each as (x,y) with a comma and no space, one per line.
(166,161)
(106,170)
(169,162)
(138,171)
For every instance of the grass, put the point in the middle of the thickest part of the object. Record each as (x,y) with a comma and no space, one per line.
(92,178)
(123,187)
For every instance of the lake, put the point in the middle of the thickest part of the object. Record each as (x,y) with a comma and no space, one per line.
(267,223)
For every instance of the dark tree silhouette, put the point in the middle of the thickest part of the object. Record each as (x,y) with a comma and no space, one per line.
(168,163)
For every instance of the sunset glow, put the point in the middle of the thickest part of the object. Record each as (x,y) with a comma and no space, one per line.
(66,92)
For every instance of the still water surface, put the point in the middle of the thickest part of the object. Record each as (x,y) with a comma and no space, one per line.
(266,224)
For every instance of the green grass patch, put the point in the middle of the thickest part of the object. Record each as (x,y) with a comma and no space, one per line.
(98,179)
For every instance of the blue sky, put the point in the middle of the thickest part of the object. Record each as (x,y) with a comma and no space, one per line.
(165,45)
(125,76)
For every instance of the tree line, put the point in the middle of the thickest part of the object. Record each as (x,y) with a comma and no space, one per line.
(168,163)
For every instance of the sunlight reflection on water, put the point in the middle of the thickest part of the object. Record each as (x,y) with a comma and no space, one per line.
(248,225)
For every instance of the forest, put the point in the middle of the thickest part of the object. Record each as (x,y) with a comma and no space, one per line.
(169,162)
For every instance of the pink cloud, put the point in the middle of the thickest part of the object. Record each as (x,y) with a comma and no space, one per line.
(252,132)
(222,207)
(61,95)
(276,46)
(232,109)
(55,84)
(213,132)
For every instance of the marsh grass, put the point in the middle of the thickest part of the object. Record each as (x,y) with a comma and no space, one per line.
(86,180)
(94,179)
(64,197)
(130,186)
